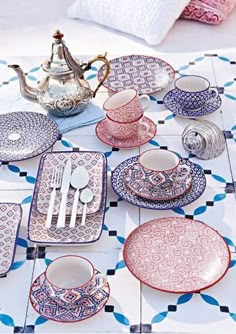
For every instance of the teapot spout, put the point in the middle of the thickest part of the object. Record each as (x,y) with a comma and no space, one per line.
(28,92)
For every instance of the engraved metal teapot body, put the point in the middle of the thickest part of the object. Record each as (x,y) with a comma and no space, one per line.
(64,90)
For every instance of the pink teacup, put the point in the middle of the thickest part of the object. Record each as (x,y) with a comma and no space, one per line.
(125,131)
(69,279)
(126,106)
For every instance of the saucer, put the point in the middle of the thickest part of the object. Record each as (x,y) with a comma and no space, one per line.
(176,255)
(49,309)
(146,74)
(172,105)
(102,132)
(119,186)
(139,181)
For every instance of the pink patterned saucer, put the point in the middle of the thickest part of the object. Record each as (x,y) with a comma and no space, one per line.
(176,255)
(46,306)
(102,132)
(140,182)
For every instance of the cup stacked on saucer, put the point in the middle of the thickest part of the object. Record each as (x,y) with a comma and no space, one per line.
(192,96)
(159,175)
(125,125)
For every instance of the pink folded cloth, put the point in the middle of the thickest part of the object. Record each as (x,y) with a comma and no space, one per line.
(208,11)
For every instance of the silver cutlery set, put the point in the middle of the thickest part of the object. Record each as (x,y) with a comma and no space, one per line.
(62,179)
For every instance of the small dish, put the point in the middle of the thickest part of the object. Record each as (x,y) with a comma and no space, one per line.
(172,105)
(139,183)
(10,219)
(46,306)
(119,186)
(79,234)
(146,74)
(25,135)
(102,132)
(176,255)
(93,162)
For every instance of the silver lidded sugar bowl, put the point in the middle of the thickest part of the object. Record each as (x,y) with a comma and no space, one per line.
(203,139)
(63,91)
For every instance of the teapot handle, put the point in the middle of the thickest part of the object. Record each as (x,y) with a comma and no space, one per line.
(108,67)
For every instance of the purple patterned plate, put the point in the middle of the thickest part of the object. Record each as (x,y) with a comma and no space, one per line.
(102,132)
(10,218)
(146,74)
(25,135)
(197,189)
(88,233)
(172,105)
(49,309)
(93,162)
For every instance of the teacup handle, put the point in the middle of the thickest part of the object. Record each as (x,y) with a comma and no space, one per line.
(184,170)
(145,101)
(102,282)
(213,92)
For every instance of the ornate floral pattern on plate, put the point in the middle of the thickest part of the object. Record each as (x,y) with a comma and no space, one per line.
(145,185)
(10,218)
(90,232)
(119,186)
(25,135)
(208,108)
(144,135)
(94,164)
(176,255)
(47,307)
(146,74)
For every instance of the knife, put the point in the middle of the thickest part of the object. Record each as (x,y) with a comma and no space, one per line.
(65,185)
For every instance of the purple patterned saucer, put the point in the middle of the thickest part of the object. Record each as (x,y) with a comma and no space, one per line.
(146,74)
(49,309)
(10,218)
(197,189)
(172,105)
(102,132)
(25,135)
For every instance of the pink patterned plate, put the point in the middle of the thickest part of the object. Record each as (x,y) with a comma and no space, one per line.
(10,218)
(94,164)
(146,74)
(88,233)
(102,132)
(138,181)
(176,255)
(49,309)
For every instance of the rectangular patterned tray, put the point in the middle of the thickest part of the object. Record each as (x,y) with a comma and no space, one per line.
(94,221)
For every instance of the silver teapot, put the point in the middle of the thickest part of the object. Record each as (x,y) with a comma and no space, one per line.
(63,91)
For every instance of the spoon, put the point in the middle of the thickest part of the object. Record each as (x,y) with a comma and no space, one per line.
(79,180)
(86,196)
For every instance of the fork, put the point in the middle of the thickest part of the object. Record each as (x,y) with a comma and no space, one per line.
(55,183)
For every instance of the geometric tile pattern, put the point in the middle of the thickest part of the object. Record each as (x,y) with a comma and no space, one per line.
(132,307)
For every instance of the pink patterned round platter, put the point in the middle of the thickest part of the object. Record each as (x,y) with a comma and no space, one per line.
(146,74)
(176,255)
(143,136)
(48,308)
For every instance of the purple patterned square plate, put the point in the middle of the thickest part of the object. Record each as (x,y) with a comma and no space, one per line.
(93,162)
(10,218)
(92,229)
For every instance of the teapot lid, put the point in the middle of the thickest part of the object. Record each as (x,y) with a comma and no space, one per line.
(58,62)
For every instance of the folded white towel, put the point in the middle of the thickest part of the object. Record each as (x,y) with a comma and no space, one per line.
(148,19)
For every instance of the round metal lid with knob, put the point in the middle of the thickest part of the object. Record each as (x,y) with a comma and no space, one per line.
(203,139)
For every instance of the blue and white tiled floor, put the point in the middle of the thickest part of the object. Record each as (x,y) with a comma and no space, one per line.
(132,307)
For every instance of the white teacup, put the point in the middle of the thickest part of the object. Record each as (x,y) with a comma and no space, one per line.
(193,91)
(70,278)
